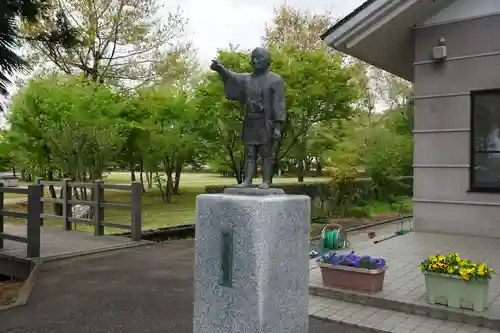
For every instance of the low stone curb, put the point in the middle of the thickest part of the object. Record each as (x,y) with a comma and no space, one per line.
(95,251)
(25,291)
(432,311)
(341,322)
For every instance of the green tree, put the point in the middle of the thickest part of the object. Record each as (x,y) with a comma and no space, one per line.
(297,28)
(319,85)
(317,88)
(28,12)
(222,119)
(122,41)
(66,126)
(134,119)
(373,146)
(172,138)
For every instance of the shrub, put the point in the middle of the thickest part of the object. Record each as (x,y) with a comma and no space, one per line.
(339,198)
(359,212)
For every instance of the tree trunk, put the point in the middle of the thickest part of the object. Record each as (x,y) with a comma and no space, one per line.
(160,186)
(132,172)
(168,168)
(238,169)
(177,180)
(300,171)
(319,168)
(308,165)
(142,176)
(150,180)
(57,207)
(276,164)
(169,187)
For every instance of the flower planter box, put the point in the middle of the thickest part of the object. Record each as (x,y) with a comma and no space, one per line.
(456,293)
(352,278)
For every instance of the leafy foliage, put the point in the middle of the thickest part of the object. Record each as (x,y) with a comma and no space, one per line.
(222,119)
(122,41)
(66,124)
(128,95)
(30,12)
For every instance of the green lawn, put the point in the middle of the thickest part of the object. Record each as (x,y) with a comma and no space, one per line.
(181,210)
(156,214)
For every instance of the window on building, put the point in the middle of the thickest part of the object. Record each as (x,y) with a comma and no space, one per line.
(485,141)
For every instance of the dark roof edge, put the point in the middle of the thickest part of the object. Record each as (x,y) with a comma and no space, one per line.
(347,18)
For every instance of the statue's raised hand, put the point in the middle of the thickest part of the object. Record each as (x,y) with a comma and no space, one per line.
(216,65)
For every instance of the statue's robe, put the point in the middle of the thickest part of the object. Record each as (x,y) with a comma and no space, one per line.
(264,97)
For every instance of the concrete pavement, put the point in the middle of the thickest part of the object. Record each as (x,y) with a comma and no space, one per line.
(144,289)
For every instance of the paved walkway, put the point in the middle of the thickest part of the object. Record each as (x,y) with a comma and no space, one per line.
(405,284)
(142,289)
(56,242)
(385,320)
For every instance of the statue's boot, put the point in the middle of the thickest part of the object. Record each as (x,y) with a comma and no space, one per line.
(249,170)
(267,173)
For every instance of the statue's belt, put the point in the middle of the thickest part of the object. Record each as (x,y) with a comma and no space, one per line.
(255,115)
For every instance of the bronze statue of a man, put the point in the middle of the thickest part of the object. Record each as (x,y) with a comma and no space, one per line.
(263,94)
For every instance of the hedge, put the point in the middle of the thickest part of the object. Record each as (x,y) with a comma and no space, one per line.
(363,188)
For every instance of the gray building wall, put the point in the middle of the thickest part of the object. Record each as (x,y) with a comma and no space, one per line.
(442,202)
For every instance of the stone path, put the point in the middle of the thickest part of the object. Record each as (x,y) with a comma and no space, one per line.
(144,289)
(385,320)
(404,286)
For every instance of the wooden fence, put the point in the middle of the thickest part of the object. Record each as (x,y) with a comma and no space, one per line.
(98,205)
(36,216)
(33,217)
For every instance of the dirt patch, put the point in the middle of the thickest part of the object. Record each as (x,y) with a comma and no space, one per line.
(9,290)
(351,222)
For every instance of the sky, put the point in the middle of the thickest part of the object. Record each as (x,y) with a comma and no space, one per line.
(214,24)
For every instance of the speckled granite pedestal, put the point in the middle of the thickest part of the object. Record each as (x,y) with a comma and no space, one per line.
(252,262)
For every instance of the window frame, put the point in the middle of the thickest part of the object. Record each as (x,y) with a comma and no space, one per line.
(472,151)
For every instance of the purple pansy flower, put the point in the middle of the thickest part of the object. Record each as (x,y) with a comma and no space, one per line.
(352,260)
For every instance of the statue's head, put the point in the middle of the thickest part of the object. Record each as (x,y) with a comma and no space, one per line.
(261,58)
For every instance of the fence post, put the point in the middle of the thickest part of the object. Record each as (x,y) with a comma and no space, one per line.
(99,210)
(67,212)
(34,226)
(136,232)
(1,216)
(42,189)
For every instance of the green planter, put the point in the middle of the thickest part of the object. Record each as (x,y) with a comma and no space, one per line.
(456,293)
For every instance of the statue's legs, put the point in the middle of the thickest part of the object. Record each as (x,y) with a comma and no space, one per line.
(266,152)
(252,152)
(251,163)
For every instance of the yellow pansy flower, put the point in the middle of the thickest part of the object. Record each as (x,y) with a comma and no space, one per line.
(481,270)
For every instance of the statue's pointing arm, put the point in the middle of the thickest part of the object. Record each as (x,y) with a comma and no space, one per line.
(234,83)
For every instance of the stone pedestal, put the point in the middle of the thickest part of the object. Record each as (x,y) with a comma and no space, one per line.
(252,262)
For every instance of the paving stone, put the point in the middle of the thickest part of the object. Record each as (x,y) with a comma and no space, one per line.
(325,312)
(405,326)
(486,330)
(391,321)
(405,284)
(468,329)
(401,330)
